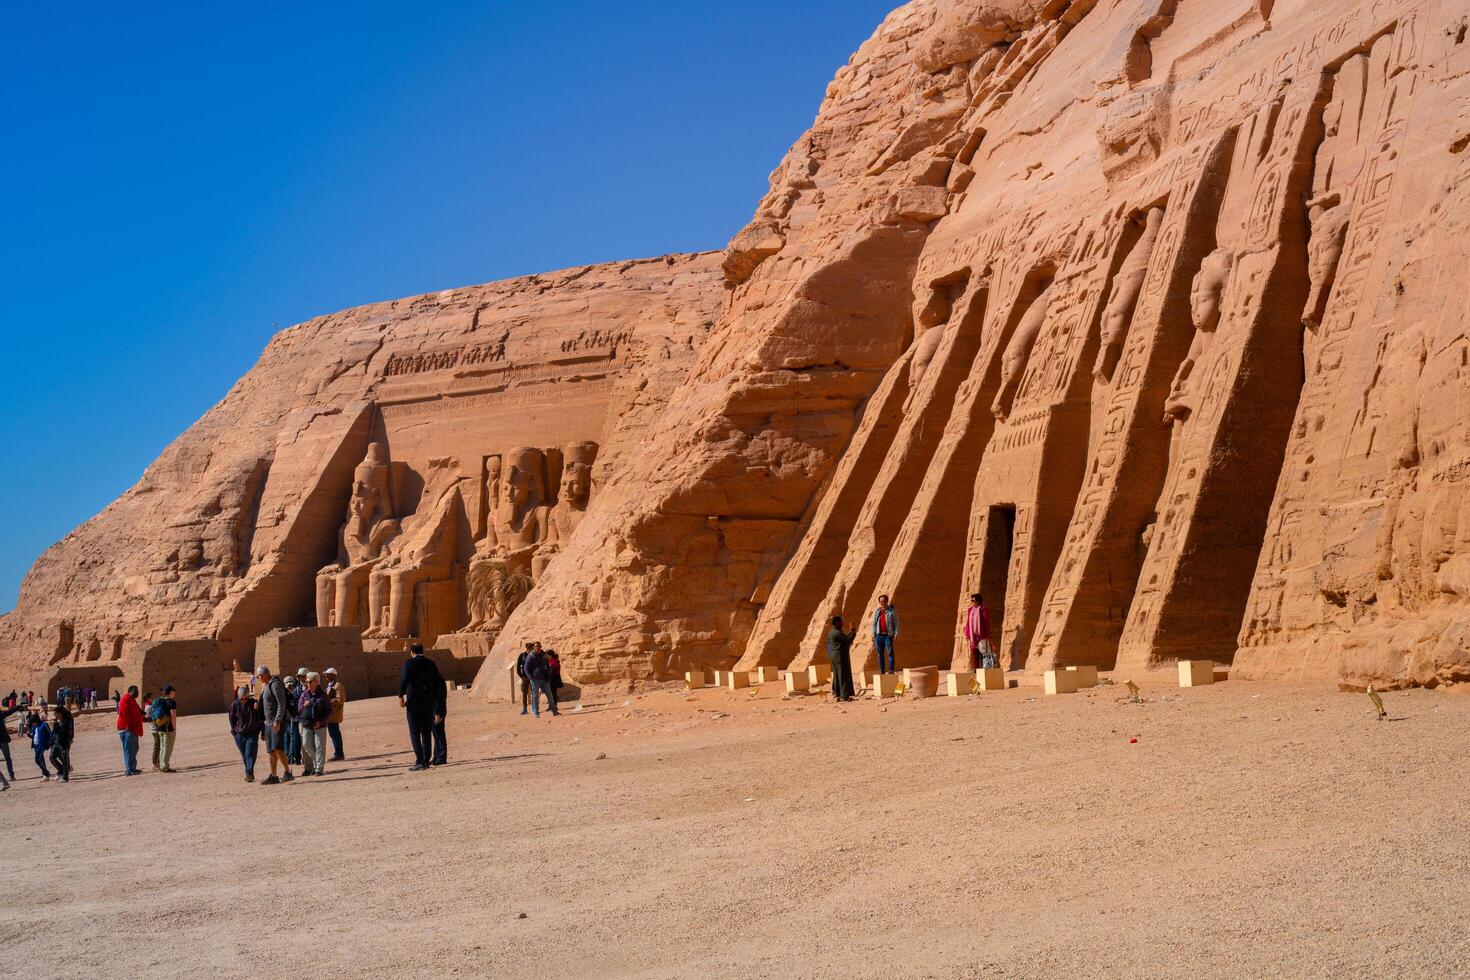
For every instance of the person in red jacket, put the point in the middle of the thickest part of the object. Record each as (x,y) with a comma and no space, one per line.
(129,729)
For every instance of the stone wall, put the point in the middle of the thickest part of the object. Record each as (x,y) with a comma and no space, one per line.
(191,666)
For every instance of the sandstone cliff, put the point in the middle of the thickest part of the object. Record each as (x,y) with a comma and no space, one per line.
(1140,317)
(1143,318)
(225,533)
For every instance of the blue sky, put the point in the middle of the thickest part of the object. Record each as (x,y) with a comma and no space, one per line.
(182,179)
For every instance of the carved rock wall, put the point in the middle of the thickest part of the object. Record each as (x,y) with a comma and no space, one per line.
(1141,317)
(225,533)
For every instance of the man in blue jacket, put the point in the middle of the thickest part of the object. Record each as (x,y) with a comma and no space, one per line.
(885,631)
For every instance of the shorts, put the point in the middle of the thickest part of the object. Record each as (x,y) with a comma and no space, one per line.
(276,741)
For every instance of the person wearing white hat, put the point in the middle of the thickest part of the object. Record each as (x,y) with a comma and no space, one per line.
(338,696)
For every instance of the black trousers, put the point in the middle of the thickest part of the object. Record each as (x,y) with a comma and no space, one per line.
(5,751)
(61,759)
(441,746)
(421,733)
(841,674)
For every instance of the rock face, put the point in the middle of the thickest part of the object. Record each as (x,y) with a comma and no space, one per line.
(1143,318)
(354,458)
(1140,317)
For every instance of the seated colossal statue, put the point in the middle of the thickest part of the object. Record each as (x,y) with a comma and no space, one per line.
(367,532)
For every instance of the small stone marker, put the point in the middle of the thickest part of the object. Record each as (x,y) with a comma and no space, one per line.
(797,681)
(766,675)
(1086,676)
(1195,673)
(992,679)
(819,674)
(883,685)
(736,679)
(695,679)
(958,683)
(1060,682)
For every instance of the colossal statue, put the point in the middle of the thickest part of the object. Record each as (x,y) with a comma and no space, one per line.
(369,528)
(503,566)
(425,552)
(1127,286)
(1205,298)
(571,503)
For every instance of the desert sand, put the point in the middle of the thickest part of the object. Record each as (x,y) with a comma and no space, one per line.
(1251,830)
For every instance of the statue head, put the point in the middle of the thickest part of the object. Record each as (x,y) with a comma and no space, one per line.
(520,485)
(1208,290)
(576,474)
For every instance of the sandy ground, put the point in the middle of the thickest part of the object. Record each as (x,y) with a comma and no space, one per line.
(1252,830)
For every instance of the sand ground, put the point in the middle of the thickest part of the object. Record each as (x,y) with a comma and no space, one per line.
(1252,830)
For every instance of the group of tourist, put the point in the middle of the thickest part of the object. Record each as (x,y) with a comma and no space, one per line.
(295,717)
(49,730)
(78,698)
(539,671)
(976,632)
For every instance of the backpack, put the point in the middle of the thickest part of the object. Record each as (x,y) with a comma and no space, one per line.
(314,710)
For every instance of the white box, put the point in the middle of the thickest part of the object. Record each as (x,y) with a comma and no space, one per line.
(1196,673)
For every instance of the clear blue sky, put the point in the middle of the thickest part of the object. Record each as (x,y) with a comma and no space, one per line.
(182,179)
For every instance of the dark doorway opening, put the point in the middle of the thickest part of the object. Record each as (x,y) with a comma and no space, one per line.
(995,571)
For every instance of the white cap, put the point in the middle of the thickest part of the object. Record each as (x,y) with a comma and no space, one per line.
(331,670)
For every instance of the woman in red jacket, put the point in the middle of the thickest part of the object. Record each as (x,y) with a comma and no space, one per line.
(129,729)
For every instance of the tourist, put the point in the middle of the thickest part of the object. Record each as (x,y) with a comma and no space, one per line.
(553,676)
(440,755)
(5,733)
(246,723)
(554,662)
(885,631)
(276,719)
(337,694)
(539,671)
(525,679)
(977,634)
(148,713)
(839,646)
(164,715)
(40,742)
(313,712)
(63,728)
(129,728)
(293,724)
(419,692)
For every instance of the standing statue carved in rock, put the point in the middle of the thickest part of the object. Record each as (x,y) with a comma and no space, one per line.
(370,527)
(1018,352)
(1206,297)
(1127,287)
